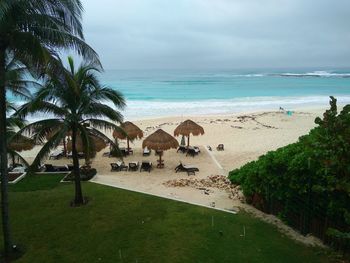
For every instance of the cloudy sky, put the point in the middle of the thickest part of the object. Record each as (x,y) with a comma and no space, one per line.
(218,34)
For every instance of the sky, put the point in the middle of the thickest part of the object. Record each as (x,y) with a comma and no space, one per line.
(219,34)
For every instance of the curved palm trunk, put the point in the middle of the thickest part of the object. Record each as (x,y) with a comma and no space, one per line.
(64,147)
(3,159)
(78,200)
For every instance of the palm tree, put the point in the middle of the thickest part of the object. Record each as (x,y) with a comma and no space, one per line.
(74,98)
(33,32)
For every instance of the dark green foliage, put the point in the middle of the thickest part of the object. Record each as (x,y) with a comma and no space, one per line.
(85,175)
(307,183)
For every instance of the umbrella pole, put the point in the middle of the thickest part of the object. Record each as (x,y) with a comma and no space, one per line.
(188,141)
(128,144)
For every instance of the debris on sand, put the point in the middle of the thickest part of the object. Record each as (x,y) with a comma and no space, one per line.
(214,181)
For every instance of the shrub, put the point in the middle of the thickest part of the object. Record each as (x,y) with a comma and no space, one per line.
(307,182)
(85,174)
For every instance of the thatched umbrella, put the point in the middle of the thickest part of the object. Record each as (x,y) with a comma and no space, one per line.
(189,127)
(98,144)
(160,141)
(132,131)
(21,143)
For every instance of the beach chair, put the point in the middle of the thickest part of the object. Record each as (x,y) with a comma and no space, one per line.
(133,166)
(49,168)
(182,149)
(193,151)
(118,166)
(146,152)
(220,147)
(146,166)
(62,168)
(190,169)
(115,167)
(56,155)
(122,166)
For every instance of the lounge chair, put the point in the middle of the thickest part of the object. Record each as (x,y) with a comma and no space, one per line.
(182,149)
(190,169)
(115,167)
(51,168)
(220,147)
(56,155)
(146,152)
(118,166)
(146,166)
(133,166)
(193,151)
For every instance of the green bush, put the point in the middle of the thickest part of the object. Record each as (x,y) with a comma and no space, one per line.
(85,174)
(307,182)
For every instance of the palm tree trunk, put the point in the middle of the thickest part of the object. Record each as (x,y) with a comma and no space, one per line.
(13,160)
(78,200)
(64,147)
(3,160)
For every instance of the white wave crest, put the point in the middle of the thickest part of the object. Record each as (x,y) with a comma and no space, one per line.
(141,109)
(316,74)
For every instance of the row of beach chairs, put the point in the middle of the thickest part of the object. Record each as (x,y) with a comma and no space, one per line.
(132,166)
(147,166)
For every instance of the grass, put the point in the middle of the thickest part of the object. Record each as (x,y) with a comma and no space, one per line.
(123,226)
(37,182)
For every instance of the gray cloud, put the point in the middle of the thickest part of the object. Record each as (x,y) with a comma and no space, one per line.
(219,34)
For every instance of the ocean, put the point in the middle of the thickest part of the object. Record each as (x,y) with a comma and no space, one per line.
(179,93)
(159,93)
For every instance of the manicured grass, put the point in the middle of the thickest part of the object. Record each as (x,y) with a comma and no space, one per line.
(123,226)
(37,182)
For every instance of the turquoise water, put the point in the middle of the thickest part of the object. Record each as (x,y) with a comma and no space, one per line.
(151,93)
(163,93)
(179,86)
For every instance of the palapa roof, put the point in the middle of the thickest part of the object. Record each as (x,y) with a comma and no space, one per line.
(98,144)
(21,143)
(160,140)
(188,127)
(130,129)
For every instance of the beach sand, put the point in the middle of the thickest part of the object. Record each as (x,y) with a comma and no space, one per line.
(245,138)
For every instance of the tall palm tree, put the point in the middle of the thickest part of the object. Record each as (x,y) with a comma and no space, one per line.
(33,32)
(76,100)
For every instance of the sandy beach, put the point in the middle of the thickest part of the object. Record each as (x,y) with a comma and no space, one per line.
(245,137)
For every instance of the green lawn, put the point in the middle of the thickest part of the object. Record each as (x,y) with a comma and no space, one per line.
(123,226)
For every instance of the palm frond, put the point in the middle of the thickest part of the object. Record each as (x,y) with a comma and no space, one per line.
(16,154)
(50,145)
